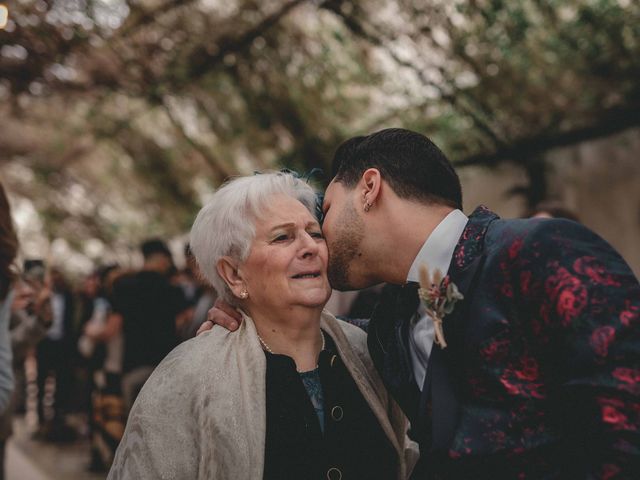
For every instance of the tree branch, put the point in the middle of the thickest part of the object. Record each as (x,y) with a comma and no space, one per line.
(140,17)
(202,60)
(218,167)
(451,97)
(611,121)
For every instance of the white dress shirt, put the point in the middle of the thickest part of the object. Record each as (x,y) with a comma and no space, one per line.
(436,254)
(56,331)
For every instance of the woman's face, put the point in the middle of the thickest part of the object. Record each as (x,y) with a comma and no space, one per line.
(287,263)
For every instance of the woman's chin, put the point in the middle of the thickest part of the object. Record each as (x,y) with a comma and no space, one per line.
(314,301)
(319,304)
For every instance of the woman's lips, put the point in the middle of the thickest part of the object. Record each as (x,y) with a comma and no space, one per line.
(305,275)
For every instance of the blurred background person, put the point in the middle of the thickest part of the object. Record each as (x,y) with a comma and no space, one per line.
(8,251)
(102,342)
(54,356)
(152,311)
(202,299)
(186,278)
(29,321)
(552,209)
(89,355)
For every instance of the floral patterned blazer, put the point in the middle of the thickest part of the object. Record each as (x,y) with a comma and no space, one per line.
(540,378)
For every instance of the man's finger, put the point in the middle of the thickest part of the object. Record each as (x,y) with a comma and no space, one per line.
(222,318)
(218,317)
(206,326)
(228,309)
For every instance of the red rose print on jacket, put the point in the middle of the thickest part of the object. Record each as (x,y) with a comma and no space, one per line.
(601,338)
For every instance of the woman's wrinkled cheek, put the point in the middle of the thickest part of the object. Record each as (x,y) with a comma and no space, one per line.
(263,275)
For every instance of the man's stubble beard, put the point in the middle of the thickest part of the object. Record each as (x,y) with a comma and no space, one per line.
(349,234)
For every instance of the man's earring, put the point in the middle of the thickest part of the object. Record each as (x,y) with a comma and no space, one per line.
(244,294)
(367,206)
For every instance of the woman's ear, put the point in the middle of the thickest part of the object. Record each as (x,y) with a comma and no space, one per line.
(228,270)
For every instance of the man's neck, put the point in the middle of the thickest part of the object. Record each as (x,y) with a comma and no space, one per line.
(408,228)
(153,267)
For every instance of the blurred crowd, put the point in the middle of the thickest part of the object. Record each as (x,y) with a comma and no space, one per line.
(96,341)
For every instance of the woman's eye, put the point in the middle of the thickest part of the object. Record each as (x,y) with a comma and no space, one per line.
(316,234)
(281,238)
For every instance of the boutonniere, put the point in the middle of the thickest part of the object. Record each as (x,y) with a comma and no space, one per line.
(439,295)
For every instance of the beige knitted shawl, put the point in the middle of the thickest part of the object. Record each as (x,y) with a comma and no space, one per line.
(201,415)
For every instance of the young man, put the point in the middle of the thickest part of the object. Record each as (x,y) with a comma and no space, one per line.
(539,376)
(150,308)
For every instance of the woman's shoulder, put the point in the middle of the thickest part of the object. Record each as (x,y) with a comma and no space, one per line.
(193,350)
(192,365)
(202,410)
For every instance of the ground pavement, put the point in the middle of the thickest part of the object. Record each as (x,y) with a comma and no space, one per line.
(29,459)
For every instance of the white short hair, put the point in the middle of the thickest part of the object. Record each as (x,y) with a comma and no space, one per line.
(226,224)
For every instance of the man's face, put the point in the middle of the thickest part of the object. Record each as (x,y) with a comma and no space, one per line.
(163,263)
(343,229)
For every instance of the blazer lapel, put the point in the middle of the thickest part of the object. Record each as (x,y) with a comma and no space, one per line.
(440,401)
(388,344)
(466,280)
(467,262)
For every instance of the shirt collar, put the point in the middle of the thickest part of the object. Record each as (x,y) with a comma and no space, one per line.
(437,250)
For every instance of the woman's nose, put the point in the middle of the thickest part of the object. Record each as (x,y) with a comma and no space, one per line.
(309,245)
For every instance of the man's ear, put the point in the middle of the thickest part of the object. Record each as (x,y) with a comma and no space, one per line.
(370,184)
(228,270)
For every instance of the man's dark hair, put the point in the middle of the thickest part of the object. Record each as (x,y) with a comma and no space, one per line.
(413,165)
(153,246)
(104,271)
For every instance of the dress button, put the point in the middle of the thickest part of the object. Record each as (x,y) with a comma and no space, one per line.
(337,413)
(334,474)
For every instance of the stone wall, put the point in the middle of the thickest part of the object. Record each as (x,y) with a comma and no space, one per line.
(600,180)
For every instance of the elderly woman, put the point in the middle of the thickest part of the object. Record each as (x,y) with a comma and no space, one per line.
(293,393)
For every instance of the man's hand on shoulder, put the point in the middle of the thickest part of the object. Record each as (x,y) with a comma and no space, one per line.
(221,314)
